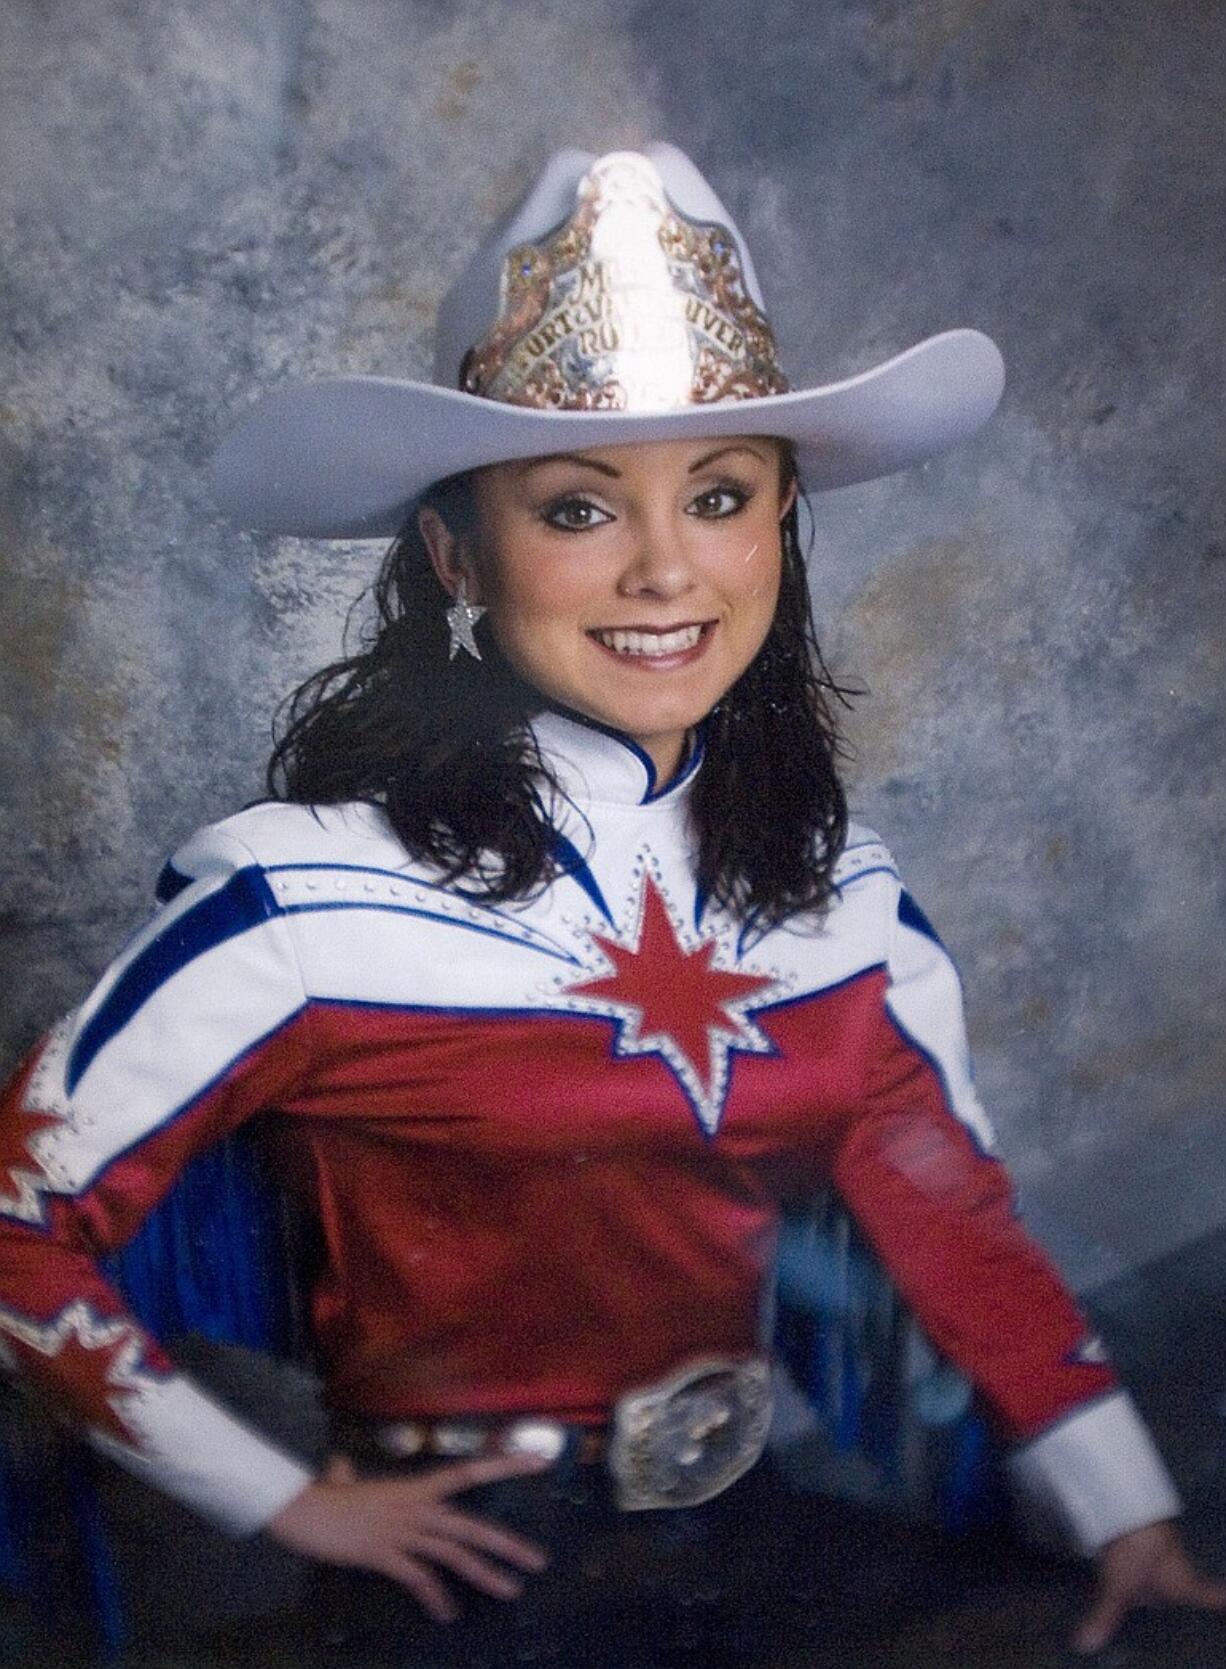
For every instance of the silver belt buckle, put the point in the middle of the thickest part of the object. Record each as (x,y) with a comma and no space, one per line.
(686,1439)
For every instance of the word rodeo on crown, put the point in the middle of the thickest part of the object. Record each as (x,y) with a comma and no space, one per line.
(598,317)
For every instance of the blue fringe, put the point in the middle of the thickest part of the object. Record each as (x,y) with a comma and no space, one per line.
(874,1384)
(211,1259)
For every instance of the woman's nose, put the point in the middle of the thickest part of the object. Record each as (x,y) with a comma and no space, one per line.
(659,566)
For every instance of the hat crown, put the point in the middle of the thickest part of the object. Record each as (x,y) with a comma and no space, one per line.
(623,303)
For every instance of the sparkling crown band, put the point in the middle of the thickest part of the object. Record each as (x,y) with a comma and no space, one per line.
(629,306)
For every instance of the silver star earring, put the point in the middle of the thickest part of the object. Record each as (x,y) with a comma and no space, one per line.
(462,616)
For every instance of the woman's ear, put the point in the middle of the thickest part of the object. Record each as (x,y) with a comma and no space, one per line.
(449,555)
(789,497)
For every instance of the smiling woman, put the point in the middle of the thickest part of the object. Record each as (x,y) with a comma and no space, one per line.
(560,974)
(633,585)
(655,589)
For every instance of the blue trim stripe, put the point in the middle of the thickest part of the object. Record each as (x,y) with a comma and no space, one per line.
(455,1011)
(644,759)
(402,875)
(654,790)
(418,883)
(628,742)
(820,991)
(686,772)
(505,938)
(193,1100)
(863,874)
(701,901)
(170,883)
(910,914)
(576,866)
(244,902)
(947,1096)
(751,933)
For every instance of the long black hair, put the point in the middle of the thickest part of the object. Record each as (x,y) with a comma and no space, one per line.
(444,746)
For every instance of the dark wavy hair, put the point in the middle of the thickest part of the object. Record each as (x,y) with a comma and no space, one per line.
(444,747)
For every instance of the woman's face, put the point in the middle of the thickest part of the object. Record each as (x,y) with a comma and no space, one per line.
(633,584)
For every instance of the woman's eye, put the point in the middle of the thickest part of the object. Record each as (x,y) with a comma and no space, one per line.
(719,501)
(575,515)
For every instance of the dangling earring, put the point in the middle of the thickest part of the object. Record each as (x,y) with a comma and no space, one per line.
(462,616)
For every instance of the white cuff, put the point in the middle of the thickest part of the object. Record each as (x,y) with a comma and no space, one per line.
(191,1448)
(1098,1473)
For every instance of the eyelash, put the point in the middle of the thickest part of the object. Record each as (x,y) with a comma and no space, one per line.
(732,489)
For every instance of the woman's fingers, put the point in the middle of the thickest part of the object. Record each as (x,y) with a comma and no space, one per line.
(423,1503)
(455,1475)
(339,1470)
(1148,1566)
(402,1527)
(420,1581)
(476,1571)
(1101,1622)
(491,1537)
(1186,1586)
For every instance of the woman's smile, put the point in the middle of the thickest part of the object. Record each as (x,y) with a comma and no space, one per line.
(655,648)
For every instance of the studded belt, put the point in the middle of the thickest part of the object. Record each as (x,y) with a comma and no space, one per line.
(468,1439)
(676,1443)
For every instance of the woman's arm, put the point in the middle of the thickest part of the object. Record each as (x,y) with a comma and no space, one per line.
(917,1168)
(191,1030)
(195,1027)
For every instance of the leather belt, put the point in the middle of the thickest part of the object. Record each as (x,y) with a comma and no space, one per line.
(672,1444)
(470,1439)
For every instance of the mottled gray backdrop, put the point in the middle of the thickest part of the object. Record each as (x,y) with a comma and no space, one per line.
(199,198)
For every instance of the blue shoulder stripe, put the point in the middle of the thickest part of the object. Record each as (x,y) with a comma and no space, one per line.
(244,902)
(910,914)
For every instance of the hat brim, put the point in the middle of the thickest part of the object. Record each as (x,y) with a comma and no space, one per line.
(344,457)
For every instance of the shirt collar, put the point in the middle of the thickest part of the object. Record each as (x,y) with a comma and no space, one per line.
(602,766)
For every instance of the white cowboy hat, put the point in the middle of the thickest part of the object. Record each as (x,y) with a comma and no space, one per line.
(617,302)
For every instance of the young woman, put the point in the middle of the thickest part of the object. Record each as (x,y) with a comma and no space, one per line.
(563,972)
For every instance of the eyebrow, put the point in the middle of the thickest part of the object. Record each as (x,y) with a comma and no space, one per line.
(608,469)
(721,452)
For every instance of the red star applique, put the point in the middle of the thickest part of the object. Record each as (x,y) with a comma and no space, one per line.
(680,1005)
(86,1365)
(20,1171)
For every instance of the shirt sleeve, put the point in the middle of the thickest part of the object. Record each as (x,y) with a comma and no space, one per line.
(193,1028)
(919,1170)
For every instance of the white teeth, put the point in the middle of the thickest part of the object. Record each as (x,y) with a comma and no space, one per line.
(651,643)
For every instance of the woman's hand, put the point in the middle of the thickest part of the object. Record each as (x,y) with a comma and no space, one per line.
(401,1527)
(1146,1567)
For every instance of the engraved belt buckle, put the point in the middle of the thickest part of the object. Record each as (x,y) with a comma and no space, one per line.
(685,1440)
